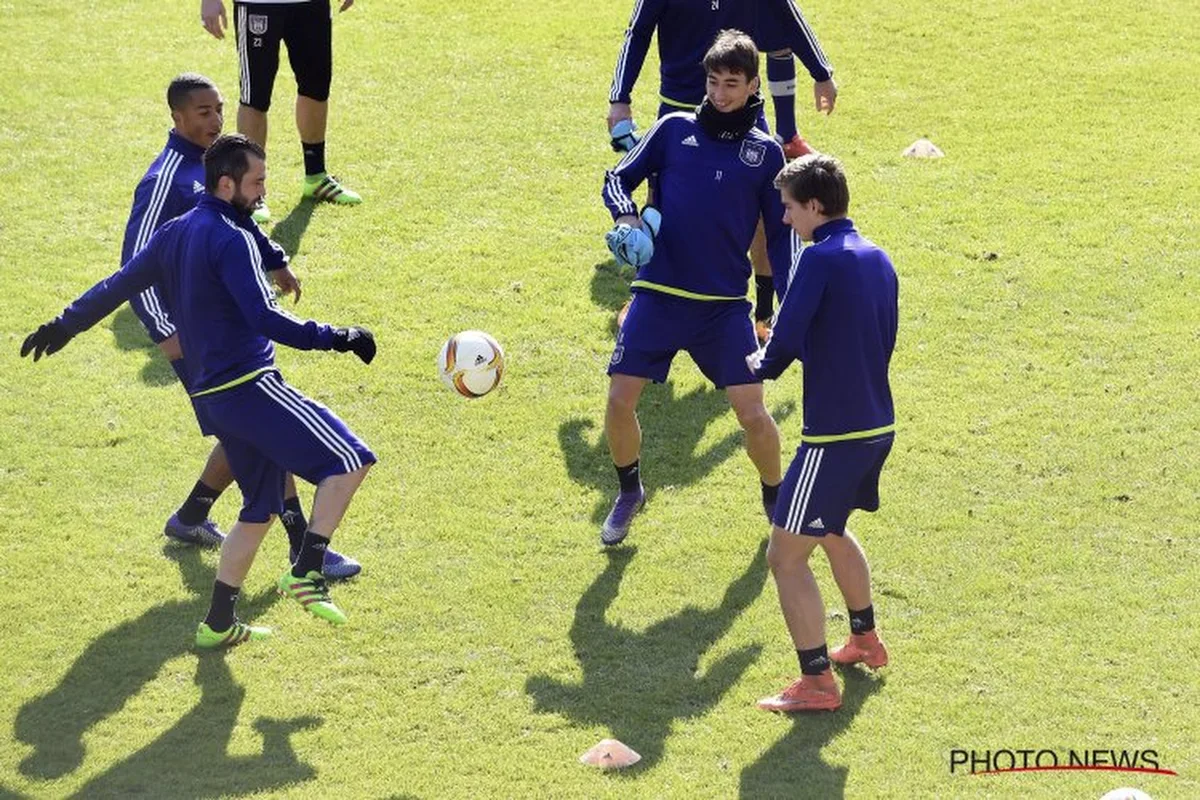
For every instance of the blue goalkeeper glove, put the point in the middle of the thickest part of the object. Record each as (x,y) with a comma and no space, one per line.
(630,245)
(623,137)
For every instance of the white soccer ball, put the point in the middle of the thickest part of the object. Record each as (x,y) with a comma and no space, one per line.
(1126,793)
(471,363)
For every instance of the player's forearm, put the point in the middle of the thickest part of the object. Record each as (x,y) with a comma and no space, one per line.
(279,326)
(617,195)
(101,300)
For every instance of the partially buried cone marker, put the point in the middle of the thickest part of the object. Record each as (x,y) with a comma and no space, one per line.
(610,754)
(923,148)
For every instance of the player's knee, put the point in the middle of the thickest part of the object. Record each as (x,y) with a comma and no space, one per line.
(316,92)
(783,560)
(260,104)
(784,53)
(621,403)
(754,416)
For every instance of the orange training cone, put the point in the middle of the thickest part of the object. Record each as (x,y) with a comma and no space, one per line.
(610,754)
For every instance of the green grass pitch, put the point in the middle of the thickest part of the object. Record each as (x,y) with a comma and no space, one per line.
(1035,555)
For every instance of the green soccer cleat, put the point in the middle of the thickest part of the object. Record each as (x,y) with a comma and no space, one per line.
(326,188)
(261,214)
(312,592)
(208,639)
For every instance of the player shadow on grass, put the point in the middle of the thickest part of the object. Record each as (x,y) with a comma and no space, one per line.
(129,334)
(637,684)
(610,288)
(116,666)
(793,766)
(290,230)
(672,428)
(191,760)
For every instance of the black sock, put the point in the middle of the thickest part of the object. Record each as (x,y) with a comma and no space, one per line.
(312,555)
(220,613)
(294,523)
(314,158)
(862,621)
(764,296)
(195,509)
(815,661)
(770,494)
(630,477)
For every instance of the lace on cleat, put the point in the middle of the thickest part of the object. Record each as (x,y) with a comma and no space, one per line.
(206,534)
(616,526)
(861,648)
(328,189)
(336,566)
(809,693)
(311,592)
(238,633)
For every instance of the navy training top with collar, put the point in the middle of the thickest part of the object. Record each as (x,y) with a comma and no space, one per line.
(173,185)
(711,193)
(839,317)
(687,28)
(210,269)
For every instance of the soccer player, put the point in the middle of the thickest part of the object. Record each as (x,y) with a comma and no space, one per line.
(839,317)
(714,169)
(306,27)
(171,186)
(685,31)
(209,269)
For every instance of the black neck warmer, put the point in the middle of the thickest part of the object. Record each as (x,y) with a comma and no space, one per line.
(731,125)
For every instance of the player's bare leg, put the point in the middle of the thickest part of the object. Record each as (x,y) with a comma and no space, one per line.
(220,627)
(190,523)
(333,498)
(853,575)
(312,118)
(850,569)
(239,549)
(252,123)
(304,582)
(624,436)
(621,427)
(762,439)
(804,615)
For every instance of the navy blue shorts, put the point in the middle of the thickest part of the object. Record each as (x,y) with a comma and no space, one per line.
(667,108)
(152,312)
(718,335)
(269,429)
(825,482)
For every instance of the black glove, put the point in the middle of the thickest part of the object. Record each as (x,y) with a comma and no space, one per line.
(356,340)
(47,340)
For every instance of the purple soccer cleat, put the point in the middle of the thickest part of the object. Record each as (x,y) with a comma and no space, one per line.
(206,534)
(616,527)
(336,567)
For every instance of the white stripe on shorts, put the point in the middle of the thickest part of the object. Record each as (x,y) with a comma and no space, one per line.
(243,55)
(274,388)
(808,476)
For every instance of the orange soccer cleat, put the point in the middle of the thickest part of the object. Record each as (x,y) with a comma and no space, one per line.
(796,147)
(809,693)
(861,648)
